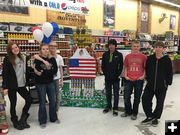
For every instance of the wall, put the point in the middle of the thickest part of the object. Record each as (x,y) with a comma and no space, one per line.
(160,28)
(125,15)
(36,15)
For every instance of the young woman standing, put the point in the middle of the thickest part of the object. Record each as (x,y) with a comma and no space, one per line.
(44,84)
(14,80)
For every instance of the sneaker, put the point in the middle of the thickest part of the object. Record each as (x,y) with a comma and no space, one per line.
(155,122)
(57,121)
(133,117)
(147,121)
(43,126)
(106,110)
(115,113)
(125,115)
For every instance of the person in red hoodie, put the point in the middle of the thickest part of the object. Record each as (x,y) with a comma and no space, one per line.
(134,65)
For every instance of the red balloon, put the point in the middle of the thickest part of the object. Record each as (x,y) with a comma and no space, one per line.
(34,28)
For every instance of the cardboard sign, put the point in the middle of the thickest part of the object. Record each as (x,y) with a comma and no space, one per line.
(68,19)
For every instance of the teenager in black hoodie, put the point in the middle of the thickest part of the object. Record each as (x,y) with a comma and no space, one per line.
(44,84)
(159,75)
(112,65)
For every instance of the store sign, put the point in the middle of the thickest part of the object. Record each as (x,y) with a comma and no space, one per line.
(65,18)
(71,6)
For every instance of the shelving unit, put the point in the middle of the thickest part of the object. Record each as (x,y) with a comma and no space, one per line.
(64,46)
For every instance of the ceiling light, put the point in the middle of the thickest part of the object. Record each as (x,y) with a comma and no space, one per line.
(168,3)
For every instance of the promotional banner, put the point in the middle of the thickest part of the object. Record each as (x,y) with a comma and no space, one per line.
(65,18)
(70,6)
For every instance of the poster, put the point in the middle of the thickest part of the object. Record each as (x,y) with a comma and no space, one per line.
(109,13)
(172,22)
(7,6)
(144,16)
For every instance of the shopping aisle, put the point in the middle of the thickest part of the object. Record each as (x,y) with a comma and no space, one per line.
(85,121)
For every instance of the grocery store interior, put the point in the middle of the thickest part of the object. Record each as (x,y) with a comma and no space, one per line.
(89,25)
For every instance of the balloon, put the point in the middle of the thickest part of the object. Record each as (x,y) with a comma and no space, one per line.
(34,28)
(46,40)
(47,29)
(55,28)
(38,35)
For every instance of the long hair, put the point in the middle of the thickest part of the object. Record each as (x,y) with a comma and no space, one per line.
(11,56)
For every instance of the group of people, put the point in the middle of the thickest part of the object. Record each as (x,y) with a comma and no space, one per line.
(48,80)
(136,68)
(155,69)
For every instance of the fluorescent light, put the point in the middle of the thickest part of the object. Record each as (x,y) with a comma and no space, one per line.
(168,3)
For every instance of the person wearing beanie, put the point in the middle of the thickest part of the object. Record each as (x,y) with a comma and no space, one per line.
(112,65)
(159,75)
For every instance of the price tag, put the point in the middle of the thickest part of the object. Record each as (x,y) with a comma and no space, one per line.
(61,36)
(1,34)
(31,41)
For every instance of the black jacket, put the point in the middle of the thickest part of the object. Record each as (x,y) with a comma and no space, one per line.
(9,75)
(112,70)
(47,75)
(159,73)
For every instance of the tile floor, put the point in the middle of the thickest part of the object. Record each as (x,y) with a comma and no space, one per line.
(86,121)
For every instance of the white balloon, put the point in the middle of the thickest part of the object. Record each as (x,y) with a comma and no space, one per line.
(47,29)
(38,35)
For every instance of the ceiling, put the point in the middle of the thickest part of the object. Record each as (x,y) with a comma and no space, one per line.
(174,1)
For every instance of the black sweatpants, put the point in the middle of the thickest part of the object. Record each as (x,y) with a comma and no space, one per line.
(12,94)
(108,86)
(147,103)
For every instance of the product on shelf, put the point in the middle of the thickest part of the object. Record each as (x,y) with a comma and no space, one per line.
(82,37)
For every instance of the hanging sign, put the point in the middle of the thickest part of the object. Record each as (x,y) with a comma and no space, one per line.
(70,6)
(65,18)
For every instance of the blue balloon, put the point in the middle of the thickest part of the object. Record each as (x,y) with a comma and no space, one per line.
(55,28)
(46,40)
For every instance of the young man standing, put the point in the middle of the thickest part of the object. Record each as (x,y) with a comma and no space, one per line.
(134,65)
(112,65)
(159,75)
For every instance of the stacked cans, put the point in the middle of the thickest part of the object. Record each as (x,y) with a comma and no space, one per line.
(82,87)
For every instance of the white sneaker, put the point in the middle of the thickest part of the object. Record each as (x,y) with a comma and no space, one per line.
(43,126)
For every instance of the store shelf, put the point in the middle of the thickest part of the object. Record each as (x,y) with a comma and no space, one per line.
(29,45)
(3,44)
(100,43)
(3,39)
(68,34)
(19,39)
(100,50)
(63,41)
(64,49)
(3,52)
(20,32)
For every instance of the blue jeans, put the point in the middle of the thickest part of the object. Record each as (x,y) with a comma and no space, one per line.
(57,93)
(48,89)
(128,89)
